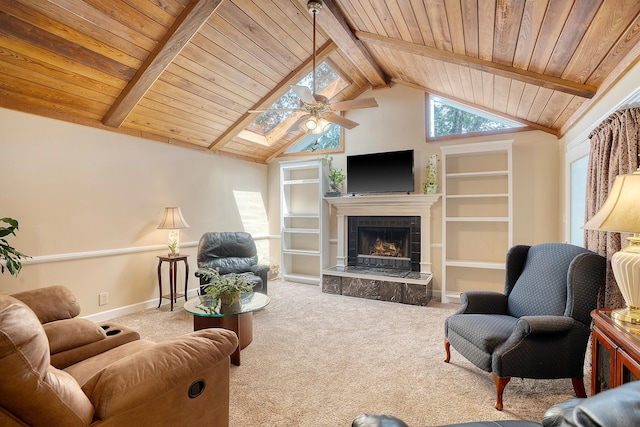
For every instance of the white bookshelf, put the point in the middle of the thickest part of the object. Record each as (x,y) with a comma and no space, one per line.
(304,221)
(477,216)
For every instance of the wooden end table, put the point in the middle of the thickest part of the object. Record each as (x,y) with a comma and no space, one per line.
(173,294)
(615,348)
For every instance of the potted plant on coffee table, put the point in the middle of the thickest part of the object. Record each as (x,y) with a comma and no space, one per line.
(226,288)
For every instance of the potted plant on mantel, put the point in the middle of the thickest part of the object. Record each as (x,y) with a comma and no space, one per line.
(336,177)
(226,288)
(8,254)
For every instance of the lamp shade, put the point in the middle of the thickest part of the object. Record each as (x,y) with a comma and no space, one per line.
(172,219)
(621,211)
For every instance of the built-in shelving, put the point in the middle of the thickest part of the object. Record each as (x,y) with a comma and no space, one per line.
(303,220)
(477,216)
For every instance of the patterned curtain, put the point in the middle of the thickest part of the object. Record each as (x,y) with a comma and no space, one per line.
(614,151)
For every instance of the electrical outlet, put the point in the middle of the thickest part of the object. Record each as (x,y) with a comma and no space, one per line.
(104,298)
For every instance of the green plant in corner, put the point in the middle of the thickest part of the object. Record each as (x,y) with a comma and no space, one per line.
(10,255)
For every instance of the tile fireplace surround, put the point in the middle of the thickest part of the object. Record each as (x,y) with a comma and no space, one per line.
(409,287)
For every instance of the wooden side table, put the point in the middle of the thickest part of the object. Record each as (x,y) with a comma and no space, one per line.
(173,294)
(615,350)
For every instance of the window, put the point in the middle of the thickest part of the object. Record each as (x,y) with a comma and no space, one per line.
(271,126)
(328,142)
(577,199)
(446,118)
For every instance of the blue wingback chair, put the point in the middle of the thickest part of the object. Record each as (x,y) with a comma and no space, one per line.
(539,328)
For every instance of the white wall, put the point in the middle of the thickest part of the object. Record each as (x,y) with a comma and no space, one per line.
(399,123)
(82,191)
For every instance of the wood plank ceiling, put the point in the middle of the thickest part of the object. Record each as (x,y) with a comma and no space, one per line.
(186,72)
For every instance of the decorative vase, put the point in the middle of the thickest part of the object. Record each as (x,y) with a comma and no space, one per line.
(274,271)
(230,304)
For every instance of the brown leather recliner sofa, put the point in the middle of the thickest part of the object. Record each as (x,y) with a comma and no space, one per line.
(183,381)
(72,338)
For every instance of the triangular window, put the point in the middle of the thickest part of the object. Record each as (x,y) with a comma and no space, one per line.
(446,118)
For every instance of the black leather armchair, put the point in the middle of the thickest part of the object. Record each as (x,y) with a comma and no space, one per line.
(231,252)
(540,326)
(618,407)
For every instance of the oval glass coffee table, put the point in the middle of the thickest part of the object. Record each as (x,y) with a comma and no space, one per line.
(207,314)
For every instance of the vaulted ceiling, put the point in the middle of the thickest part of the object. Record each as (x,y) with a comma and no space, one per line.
(187,72)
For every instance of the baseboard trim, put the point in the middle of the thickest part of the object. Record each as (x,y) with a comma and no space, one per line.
(133,308)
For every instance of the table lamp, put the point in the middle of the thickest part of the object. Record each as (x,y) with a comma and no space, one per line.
(621,213)
(173,221)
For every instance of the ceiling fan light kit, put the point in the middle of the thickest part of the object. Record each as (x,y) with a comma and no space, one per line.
(311,123)
(317,125)
(319,113)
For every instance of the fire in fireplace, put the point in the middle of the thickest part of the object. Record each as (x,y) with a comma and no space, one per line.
(384,248)
(384,242)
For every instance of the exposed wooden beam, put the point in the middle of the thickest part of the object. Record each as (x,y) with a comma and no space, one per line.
(183,29)
(293,78)
(333,23)
(549,82)
(530,125)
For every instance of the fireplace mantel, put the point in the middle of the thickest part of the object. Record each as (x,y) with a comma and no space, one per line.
(384,205)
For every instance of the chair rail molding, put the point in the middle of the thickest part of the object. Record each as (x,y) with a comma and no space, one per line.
(43,259)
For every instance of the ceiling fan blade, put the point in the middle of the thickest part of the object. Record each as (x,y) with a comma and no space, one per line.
(340,121)
(275,109)
(296,125)
(321,98)
(304,94)
(354,104)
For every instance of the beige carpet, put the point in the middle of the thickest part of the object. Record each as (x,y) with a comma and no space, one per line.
(320,360)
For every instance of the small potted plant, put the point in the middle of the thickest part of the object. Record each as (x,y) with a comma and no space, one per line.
(430,185)
(336,178)
(226,288)
(10,255)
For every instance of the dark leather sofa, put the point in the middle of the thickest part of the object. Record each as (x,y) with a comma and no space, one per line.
(231,252)
(618,407)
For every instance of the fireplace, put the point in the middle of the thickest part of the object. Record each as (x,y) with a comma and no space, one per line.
(381,205)
(387,242)
(400,225)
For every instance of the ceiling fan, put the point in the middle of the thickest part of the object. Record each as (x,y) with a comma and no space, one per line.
(319,113)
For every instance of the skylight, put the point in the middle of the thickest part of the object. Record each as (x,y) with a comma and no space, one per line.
(447,117)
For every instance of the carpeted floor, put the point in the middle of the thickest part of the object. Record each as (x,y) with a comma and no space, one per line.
(320,360)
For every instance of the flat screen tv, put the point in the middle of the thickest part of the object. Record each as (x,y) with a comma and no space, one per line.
(388,172)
